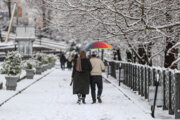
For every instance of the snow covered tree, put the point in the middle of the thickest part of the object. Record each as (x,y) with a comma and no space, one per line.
(146,28)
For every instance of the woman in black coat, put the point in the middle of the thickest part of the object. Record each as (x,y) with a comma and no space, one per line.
(81,77)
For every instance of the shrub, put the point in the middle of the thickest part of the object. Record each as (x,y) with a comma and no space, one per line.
(12,64)
(29,64)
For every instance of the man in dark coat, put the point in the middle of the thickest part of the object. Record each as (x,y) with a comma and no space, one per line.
(63,61)
(81,77)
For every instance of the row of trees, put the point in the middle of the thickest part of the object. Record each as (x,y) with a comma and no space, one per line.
(146,28)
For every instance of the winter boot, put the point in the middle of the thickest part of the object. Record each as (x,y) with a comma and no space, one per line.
(79,99)
(94,101)
(83,100)
(99,100)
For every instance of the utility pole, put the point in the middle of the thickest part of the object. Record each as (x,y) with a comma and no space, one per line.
(11,22)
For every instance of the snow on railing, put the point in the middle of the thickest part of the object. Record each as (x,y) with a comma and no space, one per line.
(140,77)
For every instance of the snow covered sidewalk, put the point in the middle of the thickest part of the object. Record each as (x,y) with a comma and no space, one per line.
(51,99)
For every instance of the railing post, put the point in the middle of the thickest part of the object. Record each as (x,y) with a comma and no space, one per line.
(131,75)
(139,80)
(149,78)
(170,95)
(107,69)
(154,76)
(164,90)
(177,96)
(135,77)
(120,67)
(123,67)
(128,75)
(145,79)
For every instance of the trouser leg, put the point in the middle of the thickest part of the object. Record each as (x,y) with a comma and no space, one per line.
(83,95)
(79,98)
(100,86)
(93,89)
(83,98)
(61,66)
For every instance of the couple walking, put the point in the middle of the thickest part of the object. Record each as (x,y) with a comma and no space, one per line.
(87,72)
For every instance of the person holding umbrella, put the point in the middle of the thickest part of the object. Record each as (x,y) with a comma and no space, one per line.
(96,77)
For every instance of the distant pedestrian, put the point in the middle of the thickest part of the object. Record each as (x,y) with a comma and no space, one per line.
(96,77)
(69,62)
(81,77)
(63,61)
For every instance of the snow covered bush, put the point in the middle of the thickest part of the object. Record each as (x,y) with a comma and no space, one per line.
(29,64)
(44,58)
(38,59)
(12,64)
(52,58)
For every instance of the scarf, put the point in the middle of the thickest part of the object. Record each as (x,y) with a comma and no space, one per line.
(78,65)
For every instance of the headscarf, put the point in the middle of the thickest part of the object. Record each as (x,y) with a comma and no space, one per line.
(78,63)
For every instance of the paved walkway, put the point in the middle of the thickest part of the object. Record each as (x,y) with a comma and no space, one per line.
(51,99)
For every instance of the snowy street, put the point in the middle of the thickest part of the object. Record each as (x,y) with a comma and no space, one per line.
(51,99)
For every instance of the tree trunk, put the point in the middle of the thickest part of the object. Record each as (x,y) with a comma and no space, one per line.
(169,58)
(119,54)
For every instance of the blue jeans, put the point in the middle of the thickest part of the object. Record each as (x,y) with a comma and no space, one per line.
(96,80)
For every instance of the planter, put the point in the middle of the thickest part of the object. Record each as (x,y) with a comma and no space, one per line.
(46,66)
(43,68)
(39,70)
(11,82)
(53,64)
(49,66)
(29,73)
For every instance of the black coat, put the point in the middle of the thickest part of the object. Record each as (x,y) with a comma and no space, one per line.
(81,79)
(62,59)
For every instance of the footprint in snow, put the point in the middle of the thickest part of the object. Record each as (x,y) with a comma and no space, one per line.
(64,79)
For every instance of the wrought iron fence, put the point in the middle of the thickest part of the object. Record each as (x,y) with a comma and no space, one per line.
(140,77)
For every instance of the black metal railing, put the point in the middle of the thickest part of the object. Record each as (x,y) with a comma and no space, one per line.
(140,77)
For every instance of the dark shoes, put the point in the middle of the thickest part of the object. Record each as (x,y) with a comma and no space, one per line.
(93,102)
(83,101)
(79,100)
(99,100)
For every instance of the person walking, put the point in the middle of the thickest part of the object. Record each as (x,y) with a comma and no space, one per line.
(96,77)
(81,77)
(69,62)
(63,61)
